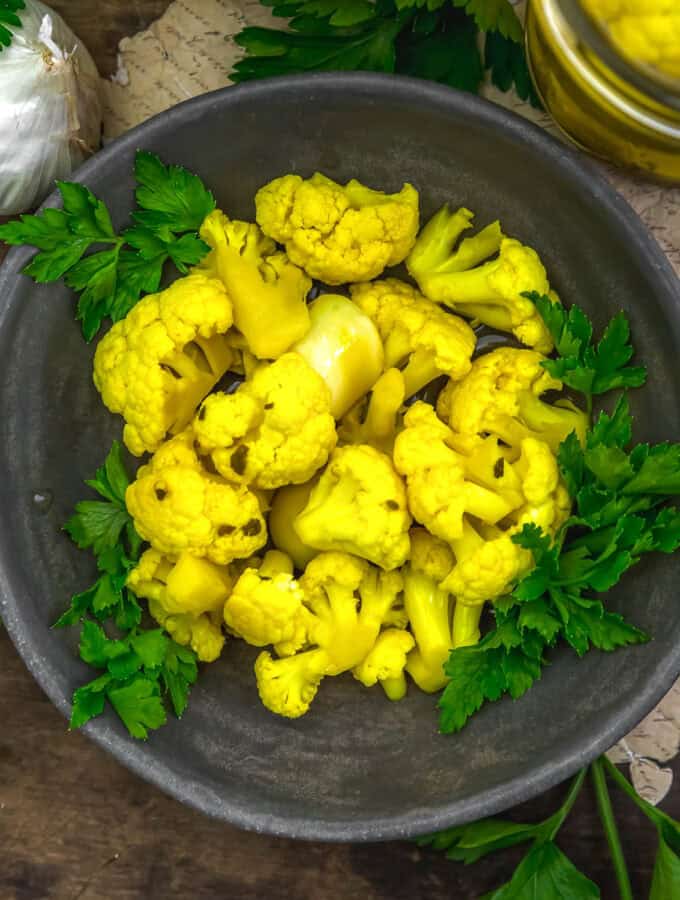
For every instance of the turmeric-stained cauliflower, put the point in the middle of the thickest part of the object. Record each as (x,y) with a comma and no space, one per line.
(502,395)
(491,292)
(275,429)
(266,606)
(375,419)
(338,233)
(348,602)
(156,365)
(268,292)
(177,506)
(443,484)
(358,506)
(185,597)
(488,562)
(420,337)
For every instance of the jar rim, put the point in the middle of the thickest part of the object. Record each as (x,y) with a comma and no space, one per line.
(655,84)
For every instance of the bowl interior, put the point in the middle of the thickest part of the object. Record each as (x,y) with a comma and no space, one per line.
(357,767)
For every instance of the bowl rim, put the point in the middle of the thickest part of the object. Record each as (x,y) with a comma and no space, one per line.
(570,758)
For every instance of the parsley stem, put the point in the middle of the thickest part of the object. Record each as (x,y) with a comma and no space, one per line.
(611,830)
(625,785)
(569,801)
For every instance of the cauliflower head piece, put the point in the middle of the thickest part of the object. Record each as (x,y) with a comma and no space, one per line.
(178,506)
(502,395)
(185,597)
(267,290)
(375,420)
(156,365)
(338,233)
(443,484)
(344,347)
(488,562)
(348,602)
(266,606)
(275,429)
(419,337)
(386,662)
(287,503)
(491,292)
(358,506)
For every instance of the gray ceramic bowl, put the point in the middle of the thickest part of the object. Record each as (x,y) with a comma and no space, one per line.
(357,767)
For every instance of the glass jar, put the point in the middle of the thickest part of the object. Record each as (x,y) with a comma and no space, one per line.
(614,103)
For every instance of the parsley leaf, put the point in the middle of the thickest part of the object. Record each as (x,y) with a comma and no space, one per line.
(582,365)
(141,666)
(547,873)
(494,15)
(8,17)
(432,39)
(110,280)
(140,706)
(170,196)
(507,64)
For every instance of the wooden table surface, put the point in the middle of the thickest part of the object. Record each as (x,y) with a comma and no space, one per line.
(75,825)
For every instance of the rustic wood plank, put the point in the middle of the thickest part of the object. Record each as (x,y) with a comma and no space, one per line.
(76,824)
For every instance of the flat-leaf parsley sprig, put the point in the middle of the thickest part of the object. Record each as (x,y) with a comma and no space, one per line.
(139,668)
(438,40)
(545,872)
(171,205)
(621,495)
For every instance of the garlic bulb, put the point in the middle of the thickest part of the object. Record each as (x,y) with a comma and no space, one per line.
(50,111)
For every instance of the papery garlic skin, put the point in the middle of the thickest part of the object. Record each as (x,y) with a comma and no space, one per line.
(50,109)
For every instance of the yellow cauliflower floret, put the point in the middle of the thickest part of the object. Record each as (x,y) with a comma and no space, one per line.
(338,233)
(487,565)
(275,429)
(419,337)
(179,507)
(185,597)
(442,484)
(646,31)
(189,585)
(502,395)
(485,569)
(203,633)
(386,662)
(268,292)
(266,606)
(491,292)
(156,365)
(358,506)
(348,602)
(375,420)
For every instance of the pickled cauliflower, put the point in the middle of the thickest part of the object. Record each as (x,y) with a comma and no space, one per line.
(178,506)
(185,597)
(327,501)
(417,334)
(348,602)
(276,429)
(358,506)
(491,292)
(502,395)
(338,233)
(156,365)
(268,292)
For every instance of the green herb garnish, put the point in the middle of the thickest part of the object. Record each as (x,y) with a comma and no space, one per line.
(621,512)
(140,667)
(8,16)
(171,204)
(437,40)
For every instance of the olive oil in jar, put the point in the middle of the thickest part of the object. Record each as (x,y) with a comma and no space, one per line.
(597,96)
